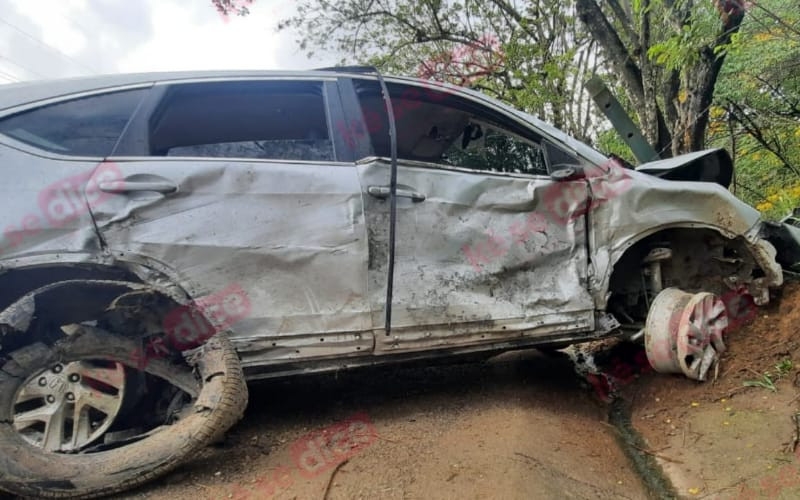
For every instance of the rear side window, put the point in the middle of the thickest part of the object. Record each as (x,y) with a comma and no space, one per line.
(267,120)
(89,126)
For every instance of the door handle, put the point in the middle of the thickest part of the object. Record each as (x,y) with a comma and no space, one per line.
(164,187)
(384,192)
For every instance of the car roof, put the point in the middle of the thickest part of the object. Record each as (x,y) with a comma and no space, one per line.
(17,94)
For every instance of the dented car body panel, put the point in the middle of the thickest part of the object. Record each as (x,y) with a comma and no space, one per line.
(475,261)
(287,243)
(651,204)
(485,259)
(46,210)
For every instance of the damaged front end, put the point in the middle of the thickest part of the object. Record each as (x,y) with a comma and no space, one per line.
(689,261)
(785,237)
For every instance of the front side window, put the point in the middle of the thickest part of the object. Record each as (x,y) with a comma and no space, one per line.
(267,120)
(558,158)
(436,127)
(89,126)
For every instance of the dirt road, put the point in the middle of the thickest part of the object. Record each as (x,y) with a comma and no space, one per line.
(521,425)
(517,426)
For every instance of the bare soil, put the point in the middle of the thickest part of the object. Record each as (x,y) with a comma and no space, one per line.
(518,426)
(721,439)
(522,425)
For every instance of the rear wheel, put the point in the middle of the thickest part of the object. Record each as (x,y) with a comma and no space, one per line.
(83,413)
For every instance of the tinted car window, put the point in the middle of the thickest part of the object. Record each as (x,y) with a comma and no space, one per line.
(89,126)
(440,128)
(558,158)
(268,120)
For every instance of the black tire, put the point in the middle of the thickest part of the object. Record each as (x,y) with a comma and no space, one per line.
(28,470)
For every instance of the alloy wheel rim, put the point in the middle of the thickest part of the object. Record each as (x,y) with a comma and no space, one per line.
(68,406)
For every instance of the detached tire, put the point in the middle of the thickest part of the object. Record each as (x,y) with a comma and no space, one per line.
(213,373)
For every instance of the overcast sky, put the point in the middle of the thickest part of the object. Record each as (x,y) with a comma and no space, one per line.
(63,38)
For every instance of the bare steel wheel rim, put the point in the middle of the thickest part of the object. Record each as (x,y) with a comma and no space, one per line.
(683,333)
(661,329)
(69,405)
(700,334)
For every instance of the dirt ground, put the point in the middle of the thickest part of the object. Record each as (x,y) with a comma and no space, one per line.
(521,425)
(518,426)
(722,439)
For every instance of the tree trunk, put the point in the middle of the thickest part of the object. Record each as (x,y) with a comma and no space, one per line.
(676,125)
(601,29)
(641,81)
(699,83)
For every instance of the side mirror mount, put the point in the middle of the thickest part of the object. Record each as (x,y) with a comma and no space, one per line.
(562,173)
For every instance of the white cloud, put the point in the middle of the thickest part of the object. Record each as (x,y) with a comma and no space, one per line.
(79,37)
(185,38)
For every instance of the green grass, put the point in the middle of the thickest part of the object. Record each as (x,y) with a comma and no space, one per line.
(767,380)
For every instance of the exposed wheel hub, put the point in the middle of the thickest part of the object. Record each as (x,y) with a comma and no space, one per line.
(683,333)
(68,406)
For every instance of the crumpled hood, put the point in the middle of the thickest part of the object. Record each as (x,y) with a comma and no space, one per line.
(648,204)
(709,165)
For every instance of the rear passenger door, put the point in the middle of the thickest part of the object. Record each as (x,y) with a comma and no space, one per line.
(240,183)
(479,257)
(49,151)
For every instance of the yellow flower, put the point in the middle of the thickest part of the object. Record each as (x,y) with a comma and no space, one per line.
(763,207)
(763,37)
(796,191)
(773,198)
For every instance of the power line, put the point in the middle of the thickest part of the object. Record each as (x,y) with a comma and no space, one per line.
(47,45)
(23,67)
(9,77)
(73,21)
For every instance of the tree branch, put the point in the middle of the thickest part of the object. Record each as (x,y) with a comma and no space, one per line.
(602,31)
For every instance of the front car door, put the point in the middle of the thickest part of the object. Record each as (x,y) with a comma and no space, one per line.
(237,185)
(481,256)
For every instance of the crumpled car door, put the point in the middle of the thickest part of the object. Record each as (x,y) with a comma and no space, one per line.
(479,258)
(289,234)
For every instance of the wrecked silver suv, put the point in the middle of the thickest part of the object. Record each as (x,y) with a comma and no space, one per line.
(166,237)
